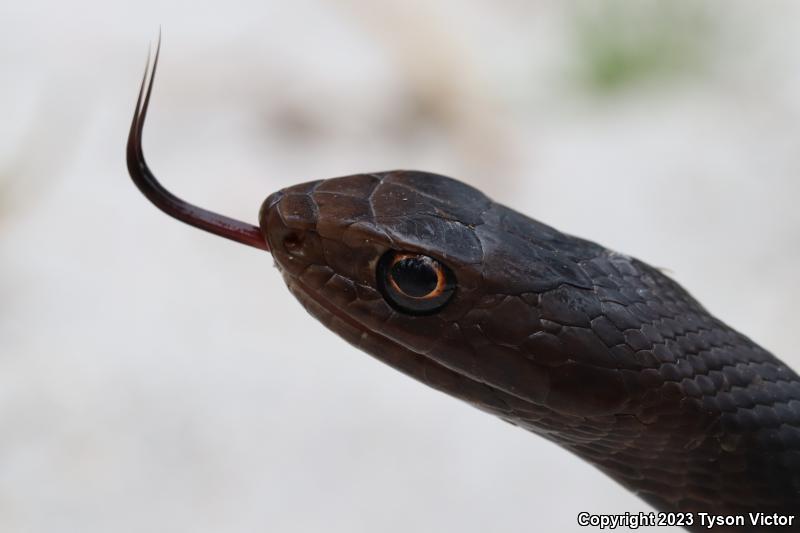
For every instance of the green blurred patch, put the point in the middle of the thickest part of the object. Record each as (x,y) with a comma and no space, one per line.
(622,43)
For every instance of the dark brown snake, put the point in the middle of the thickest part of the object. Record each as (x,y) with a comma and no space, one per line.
(591,349)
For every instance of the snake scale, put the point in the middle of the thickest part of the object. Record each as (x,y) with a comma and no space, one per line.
(594,350)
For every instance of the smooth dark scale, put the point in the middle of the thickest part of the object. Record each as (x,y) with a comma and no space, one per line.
(415,276)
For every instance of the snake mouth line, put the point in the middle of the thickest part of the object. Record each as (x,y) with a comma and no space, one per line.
(419,366)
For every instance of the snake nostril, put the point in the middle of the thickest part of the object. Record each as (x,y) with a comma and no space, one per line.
(292,242)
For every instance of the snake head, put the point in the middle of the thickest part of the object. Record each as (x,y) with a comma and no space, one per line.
(429,275)
(432,277)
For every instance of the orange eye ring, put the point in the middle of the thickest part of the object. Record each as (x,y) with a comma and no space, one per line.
(414,283)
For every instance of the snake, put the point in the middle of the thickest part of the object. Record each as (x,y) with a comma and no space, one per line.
(594,350)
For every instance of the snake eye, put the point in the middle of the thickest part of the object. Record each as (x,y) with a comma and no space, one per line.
(414,283)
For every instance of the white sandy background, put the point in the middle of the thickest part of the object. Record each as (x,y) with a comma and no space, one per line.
(156,378)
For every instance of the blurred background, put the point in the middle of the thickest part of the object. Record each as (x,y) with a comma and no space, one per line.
(156,378)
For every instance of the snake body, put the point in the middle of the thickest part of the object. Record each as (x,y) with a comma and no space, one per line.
(591,349)
(594,350)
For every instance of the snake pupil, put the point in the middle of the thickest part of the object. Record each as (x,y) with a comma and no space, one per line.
(415,276)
